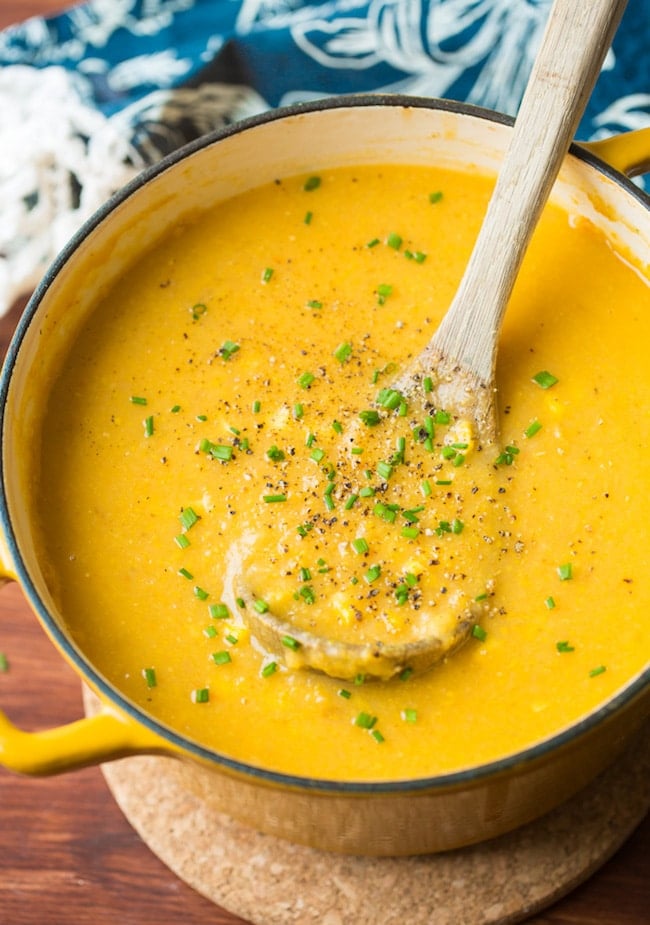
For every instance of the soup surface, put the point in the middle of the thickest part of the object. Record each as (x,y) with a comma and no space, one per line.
(223,417)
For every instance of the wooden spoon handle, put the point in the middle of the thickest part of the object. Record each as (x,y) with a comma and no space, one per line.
(577,37)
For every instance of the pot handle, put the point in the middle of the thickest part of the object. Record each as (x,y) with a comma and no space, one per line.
(629,152)
(105,736)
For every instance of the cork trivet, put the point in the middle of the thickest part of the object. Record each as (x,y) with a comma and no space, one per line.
(272,882)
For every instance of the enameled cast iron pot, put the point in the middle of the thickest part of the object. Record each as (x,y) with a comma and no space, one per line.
(401,817)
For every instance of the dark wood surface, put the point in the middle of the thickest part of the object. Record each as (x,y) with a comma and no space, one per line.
(68,856)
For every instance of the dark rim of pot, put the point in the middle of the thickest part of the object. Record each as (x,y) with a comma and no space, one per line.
(456,779)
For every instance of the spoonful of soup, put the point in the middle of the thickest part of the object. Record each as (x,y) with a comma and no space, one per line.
(421,454)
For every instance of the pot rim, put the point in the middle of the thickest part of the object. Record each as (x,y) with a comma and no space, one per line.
(88,672)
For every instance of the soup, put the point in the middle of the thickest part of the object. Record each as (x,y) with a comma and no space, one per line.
(214,402)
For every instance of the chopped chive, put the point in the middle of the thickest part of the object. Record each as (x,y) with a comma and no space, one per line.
(366,492)
(357,451)
(405,674)
(197,310)
(149,675)
(311,183)
(308,217)
(419,257)
(269,669)
(260,606)
(183,572)
(544,379)
(304,574)
(343,692)
(317,454)
(479,633)
(550,603)
(290,643)
(365,720)
(256,407)
(148,426)
(425,488)
(337,427)
(565,572)
(275,454)
(442,417)
(444,482)
(457,526)
(410,715)
(303,529)
(210,632)
(383,291)
(228,349)
(360,545)
(274,499)
(394,240)
(182,541)
(138,400)
(305,380)
(564,646)
(435,197)
(377,736)
(201,695)
(343,352)
(596,671)
(188,517)
(200,593)
(298,411)
(175,409)
(308,594)
(370,418)
(481,597)
(330,504)
(201,417)
(218,611)
(385,512)
(349,504)
(373,574)
(384,470)
(533,428)
(410,533)
(373,243)
(232,639)
(221,658)
(314,303)
(427,384)
(221,451)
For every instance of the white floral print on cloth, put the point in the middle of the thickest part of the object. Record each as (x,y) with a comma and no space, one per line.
(95,94)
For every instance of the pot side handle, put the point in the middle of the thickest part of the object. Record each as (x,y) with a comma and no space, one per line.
(105,736)
(629,152)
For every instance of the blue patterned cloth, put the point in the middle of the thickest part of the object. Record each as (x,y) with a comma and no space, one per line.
(147,75)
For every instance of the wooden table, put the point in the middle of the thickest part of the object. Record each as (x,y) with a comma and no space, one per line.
(68,856)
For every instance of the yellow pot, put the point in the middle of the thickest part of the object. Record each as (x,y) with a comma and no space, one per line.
(392,818)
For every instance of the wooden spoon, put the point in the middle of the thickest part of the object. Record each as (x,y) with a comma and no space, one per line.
(461,357)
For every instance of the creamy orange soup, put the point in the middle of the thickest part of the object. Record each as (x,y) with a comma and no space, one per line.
(209,423)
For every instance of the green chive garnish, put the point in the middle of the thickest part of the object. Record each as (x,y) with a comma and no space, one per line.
(394,240)
(479,633)
(365,720)
(360,545)
(290,643)
(311,183)
(274,499)
(260,606)
(138,400)
(596,671)
(182,541)
(269,669)
(565,572)
(149,675)
(188,518)
(373,574)
(228,349)
(544,379)
(221,658)
(533,428)
(343,352)
(201,695)
(564,646)
(218,611)
(148,426)
(409,715)
(305,380)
